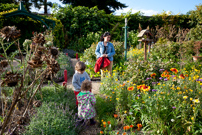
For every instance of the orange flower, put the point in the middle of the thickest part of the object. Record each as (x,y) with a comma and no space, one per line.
(101,132)
(123,84)
(139,125)
(117,133)
(130,88)
(131,126)
(104,126)
(109,122)
(145,88)
(139,86)
(115,115)
(124,133)
(126,127)
(186,75)
(174,70)
(153,75)
(182,76)
(104,123)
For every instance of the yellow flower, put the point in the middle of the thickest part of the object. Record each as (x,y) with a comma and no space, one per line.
(178,88)
(117,98)
(143,102)
(125,111)
(191,99)
(159,84)
(116,80)
(196,101)
(185,97)
(192,118)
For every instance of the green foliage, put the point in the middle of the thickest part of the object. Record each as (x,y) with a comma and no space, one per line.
(79,21)
(57,113)
(85,41)
(133,39)
(104,108)
(58,33)
(195,15)
(65,63)
(7,6)
(195,33)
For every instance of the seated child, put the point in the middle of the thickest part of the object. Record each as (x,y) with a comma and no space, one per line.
(79,76)
(86,102)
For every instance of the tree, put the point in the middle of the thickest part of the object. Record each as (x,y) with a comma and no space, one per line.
(109,6)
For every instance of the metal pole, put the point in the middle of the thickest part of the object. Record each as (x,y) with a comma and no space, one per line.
(125,39)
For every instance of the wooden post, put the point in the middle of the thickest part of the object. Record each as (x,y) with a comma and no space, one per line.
(145,50)
(149,47)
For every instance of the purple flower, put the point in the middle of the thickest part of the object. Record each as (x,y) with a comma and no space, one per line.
(160,78)
(174,107)
(153,82)
(147,78)
(161,69)
(173,75)
(154,90)
(138,95)
(197,80)
(165,79)
(200,80)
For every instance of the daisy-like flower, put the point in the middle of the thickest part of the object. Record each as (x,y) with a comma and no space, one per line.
(196,101)
(182,76)
(139,126)
(174,70)
(185,97)
(145,88)
(153,75)
(126,127)
(130,88)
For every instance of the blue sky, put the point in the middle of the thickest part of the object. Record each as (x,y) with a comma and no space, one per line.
(151,7)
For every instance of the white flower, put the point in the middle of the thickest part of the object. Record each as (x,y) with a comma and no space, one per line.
(130,113)
(196,100)
(172,120)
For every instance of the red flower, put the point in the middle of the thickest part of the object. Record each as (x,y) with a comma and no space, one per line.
(130,88)
(131,126)
(109,122)
(115,115)
(174,70)
(182,76)
(153,75)
(126,127)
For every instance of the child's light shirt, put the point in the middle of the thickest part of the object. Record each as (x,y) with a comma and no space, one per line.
(78,79)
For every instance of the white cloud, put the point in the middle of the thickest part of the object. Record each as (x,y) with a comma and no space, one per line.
(146,12)
(41,10)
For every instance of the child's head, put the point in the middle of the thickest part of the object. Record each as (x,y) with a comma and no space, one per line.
(80,66)
(86,85)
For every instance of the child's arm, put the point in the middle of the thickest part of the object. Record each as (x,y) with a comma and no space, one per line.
(75,83)
(87,76)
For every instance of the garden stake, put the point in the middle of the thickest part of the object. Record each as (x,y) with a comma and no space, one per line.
(65,75)
(77,56)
